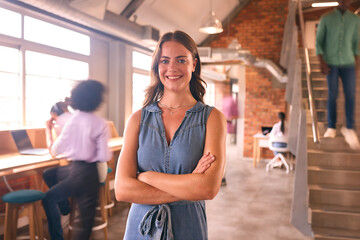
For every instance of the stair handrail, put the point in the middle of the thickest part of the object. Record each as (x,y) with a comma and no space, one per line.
(314,121)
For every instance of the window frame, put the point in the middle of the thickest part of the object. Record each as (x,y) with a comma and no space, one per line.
(138,71)
(24,45)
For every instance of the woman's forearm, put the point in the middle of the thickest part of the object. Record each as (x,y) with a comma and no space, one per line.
(192,187)
(135,191)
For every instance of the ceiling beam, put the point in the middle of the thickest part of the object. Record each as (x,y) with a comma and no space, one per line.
(131,8)
(226,21)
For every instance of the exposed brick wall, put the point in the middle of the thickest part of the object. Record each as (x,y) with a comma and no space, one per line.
(259,28)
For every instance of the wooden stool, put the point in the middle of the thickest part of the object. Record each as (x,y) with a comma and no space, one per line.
(109,203)
(30,199)
(103,214)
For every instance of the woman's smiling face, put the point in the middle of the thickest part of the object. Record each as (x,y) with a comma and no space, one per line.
(176,65)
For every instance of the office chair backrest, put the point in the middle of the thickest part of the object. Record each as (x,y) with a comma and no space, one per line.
(278,139)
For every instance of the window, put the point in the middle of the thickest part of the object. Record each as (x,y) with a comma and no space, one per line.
(141,78)
(49,79)
(52,35)
(141,61)
(140,82)
(210,94)
(10,87)
(10,23)
(26,95)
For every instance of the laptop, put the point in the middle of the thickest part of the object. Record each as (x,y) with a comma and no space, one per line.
(265,130)
(23,144)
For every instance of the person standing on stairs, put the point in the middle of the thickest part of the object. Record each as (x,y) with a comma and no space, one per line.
(337,41)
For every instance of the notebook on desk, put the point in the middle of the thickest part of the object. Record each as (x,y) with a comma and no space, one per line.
(265,130)
(24,145)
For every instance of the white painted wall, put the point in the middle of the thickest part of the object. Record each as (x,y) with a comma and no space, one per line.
(310,33)
(238,71)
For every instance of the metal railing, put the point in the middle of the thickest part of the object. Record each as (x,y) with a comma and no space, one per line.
(314,122)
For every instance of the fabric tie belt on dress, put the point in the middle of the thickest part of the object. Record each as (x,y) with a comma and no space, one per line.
(163,226)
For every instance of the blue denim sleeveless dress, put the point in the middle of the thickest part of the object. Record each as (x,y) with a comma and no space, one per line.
(183,220)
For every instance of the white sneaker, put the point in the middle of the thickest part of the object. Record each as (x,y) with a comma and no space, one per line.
(351,138)
(330,133)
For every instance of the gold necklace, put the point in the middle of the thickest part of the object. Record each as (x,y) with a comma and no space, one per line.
(173,110)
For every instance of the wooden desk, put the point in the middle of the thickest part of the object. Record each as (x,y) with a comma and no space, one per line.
(115,143)
(260,141)
(15,163)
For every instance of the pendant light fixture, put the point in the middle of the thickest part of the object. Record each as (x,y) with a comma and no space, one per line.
(211,24)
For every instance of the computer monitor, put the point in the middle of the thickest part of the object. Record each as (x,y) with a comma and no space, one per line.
(265,130)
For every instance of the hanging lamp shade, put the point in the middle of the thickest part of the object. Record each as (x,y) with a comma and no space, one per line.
(211,25)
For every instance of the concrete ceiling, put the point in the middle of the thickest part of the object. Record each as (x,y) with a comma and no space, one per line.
(170,15)
(127,18)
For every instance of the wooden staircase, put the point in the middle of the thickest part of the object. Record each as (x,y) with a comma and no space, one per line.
(333,168)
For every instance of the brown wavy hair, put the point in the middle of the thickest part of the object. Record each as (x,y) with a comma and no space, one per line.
(155,90)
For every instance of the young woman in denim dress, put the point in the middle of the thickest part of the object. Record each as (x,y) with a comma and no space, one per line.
(174,149)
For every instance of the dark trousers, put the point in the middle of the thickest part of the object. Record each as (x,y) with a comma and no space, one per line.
(347,75)
(80,181)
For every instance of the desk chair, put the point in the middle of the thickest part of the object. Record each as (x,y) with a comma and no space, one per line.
(109,202)
(281,151)
(104,172)
(104,205)
(30,200)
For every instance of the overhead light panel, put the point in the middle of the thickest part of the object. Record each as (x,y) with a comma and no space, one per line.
(325,4)
(211,24)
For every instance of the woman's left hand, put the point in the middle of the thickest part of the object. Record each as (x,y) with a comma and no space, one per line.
(204,163)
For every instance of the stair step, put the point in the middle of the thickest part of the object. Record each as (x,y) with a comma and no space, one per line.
(322,126)
(315,83)
(320,237)
(309,130)
(322,92)
(334,160)
(332,199)
(332,234)
(316,73)
(336,144)
(330,178)
(311,52)
(334,208)
(317,93)
(319,79)
(321,115)
(336,220)
(313,67)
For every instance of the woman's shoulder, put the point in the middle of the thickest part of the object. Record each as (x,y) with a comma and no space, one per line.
(135,118)
(216,116)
